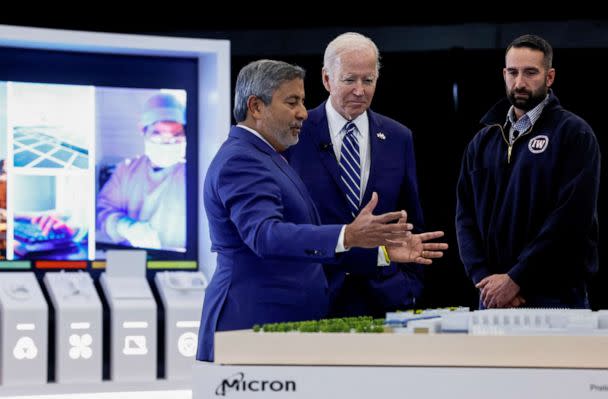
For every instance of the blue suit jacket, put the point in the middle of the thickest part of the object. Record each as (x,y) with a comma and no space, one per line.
(354,289)
(265,230)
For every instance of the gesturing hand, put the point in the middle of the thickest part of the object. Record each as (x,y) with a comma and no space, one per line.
(369,231)
(415,249)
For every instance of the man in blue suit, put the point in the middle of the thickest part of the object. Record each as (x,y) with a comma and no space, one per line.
(263,223)
(386,166)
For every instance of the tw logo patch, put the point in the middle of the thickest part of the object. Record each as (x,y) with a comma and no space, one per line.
(538,144)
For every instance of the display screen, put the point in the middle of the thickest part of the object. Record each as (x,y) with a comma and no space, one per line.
(97,166)
(83,167)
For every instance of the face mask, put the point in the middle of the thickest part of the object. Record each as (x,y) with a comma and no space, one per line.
(165,155)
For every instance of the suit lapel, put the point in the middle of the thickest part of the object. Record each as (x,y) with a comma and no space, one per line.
(297,181)
(377,146)
(282,163)
(322,141)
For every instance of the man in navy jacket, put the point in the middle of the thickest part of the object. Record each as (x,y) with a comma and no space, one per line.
(526,216)
(388,167)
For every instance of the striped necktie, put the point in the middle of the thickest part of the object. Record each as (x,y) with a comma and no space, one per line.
(350,168)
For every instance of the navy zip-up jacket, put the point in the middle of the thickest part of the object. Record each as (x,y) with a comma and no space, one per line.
(531,210)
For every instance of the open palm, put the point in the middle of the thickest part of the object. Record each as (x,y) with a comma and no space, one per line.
(416,249)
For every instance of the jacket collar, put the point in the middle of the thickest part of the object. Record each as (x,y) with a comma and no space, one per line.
(240,133)
(498,113)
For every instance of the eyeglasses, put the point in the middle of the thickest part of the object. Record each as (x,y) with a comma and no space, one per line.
(165,136)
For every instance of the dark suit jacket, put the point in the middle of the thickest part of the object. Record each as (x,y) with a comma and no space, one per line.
(354,289)
(265,230)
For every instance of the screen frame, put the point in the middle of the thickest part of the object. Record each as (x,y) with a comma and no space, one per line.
(214,93)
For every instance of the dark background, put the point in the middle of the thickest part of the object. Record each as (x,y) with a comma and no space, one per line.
(417,88)
(424,58)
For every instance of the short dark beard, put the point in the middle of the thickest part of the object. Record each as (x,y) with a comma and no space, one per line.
(530,103)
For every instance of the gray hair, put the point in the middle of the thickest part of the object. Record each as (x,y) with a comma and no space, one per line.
(261,78)
(348,42)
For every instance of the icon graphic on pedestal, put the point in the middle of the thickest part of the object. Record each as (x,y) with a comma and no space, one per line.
(135,345)
(80,346)
(19,291)
(25,349)
(186,344)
